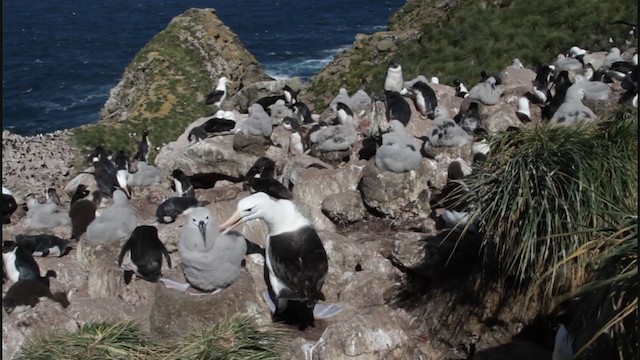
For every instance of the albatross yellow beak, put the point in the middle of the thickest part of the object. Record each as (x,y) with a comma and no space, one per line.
(231,222)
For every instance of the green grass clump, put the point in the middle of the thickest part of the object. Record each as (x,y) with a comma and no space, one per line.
(608,305)
(232,339)
(122,340)
(543,189)
(238,338)
(558,209)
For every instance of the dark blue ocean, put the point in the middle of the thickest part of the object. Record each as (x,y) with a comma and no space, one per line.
(61,58)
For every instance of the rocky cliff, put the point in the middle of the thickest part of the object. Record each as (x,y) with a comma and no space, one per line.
(165,85)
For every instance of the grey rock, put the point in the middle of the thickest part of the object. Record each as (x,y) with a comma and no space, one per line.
(45,317)
(384,45)
(314,185)
(175,313)
(400,196)
(361,336)
(344,208)
(248,95)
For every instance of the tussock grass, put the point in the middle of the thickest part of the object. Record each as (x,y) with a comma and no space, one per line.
(558,209)
(608,305)
(235,338)
(122,340)
(238,338)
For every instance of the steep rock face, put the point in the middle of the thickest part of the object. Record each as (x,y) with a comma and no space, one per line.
(183,61)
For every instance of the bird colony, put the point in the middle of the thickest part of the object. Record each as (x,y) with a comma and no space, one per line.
(377,128)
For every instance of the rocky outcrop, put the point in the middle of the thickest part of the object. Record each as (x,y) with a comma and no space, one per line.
(179,67)
(32,164)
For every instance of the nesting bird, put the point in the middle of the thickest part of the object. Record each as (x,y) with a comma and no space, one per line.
(258,123)
(572,109)
(146,175)
(360,101)
(485,92)
(296,263)
(279,110)
(564,63)
(116,222)
(400,152)
(593,90)
(336,137)
(210,260)
(47,215)
(343,97)
(612,57)
(444,130)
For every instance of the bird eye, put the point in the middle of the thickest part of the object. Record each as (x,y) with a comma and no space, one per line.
(207,218)
(194,220)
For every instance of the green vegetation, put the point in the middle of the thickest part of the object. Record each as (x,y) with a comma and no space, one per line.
(558,207)
(461,41)
(236,338)
(122,340)
(174,77)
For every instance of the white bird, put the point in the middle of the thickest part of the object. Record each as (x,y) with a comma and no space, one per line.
(517,64)
(393,81)
(217,96)
(612,57)
(296,261)
(280,110)
(210,261)
(523,112)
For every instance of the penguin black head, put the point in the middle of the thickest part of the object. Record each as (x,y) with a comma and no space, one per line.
(8,246)
(394,64)
(454,171)
(178,174)
(145,133)
(9,304)
(52,196)
(291,124)
(457,82)
(345,107)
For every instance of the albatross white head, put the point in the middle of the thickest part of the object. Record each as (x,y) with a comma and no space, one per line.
(280,216)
